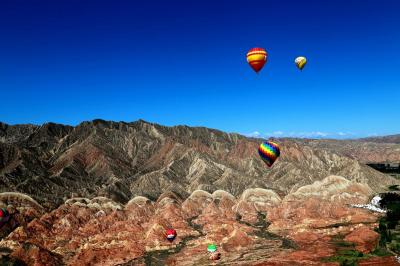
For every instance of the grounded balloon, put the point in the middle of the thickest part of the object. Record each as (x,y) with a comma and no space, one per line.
(269,151)
(257,57)
(300,62)
(171,234)
(211,248)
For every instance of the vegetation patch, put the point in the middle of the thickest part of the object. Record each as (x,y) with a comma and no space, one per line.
(381,252)
(347,257)
(346,254)
(344,244)
(388,229)
(262,232)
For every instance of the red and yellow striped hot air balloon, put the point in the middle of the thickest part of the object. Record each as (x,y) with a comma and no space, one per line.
(257,57)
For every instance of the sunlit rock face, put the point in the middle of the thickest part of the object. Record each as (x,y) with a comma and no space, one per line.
(109,191)
(259,227)
(121,160)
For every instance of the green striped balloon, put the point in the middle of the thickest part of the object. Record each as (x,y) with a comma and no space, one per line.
(212,248)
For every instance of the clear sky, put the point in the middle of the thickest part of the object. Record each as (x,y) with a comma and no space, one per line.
(183,62)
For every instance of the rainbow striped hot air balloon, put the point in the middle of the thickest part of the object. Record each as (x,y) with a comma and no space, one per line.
(257,57)
(269,151)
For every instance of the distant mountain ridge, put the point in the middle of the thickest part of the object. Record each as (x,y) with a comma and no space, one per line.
(383,139)
(365,150)
(119,160)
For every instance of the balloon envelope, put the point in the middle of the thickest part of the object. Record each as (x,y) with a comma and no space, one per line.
(300,62)
(269,151)
(171,234)
(257,57)
(211,248)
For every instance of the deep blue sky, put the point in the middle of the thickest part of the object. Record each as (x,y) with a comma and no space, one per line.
(183,62)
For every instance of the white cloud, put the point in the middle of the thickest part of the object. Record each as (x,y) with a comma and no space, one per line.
(320,134)
(311,134)
(254,134)
(277,133)
(347,135)
(303,134)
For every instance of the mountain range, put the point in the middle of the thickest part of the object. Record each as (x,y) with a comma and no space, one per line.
(119,160)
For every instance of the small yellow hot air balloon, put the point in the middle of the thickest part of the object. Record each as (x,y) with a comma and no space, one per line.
(300,62)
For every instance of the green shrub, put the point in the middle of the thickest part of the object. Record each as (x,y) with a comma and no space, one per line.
(394,246)
(351,253)
(381,252)
(343,244)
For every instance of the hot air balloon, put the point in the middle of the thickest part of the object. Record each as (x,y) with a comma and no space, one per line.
(269,151)
(257,57)
(212,248)
(300,62)
(171,234)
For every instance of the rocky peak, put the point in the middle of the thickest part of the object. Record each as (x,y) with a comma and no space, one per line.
(121,160)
